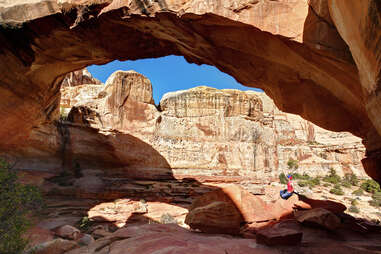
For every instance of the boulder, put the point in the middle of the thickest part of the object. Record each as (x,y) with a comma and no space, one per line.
(100,232)
(309,203)
(68,232)
(279,236)
(216,217)
(281,208)
(251,207)
(318,217)
(56,246)
(85,239)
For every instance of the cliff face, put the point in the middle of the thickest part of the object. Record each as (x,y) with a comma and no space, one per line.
(200,132)
(259,43)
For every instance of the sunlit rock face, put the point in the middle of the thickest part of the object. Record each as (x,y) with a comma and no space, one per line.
(78,86)
(259,43)
(200,132)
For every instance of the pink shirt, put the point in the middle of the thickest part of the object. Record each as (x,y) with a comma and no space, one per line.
(289,187)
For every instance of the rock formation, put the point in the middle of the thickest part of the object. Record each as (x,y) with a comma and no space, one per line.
(201,132)
(252,41)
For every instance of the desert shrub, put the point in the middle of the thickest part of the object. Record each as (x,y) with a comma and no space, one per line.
(298,176)
(376,200)
(166,218)
(346,184)
(85,224)
(315,181)
(326,185)
(354,202)
(17,202)
(352,179)
(370,186)
(354,209)
(332,177)
(337,190)
(292,164)
(282,178)
(310,182)
(358,192)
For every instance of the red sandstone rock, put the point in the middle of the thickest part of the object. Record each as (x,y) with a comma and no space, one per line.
(122,211)
(169,239)
(318,217)
(85,239)
(279,236)
(252,208)
(216,217)
(334,207)
(68,232)
(56,246)
(325,82)
(282,209)
(37,235)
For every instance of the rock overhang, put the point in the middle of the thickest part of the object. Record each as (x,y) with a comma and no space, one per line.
(67,35)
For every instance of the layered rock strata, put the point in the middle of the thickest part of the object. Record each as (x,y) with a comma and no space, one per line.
(41,41)
(202,133)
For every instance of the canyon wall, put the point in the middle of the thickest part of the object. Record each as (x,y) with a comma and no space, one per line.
(318,59)
(200,132)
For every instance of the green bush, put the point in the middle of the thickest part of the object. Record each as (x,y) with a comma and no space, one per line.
(346,184)
(376,200)
(315,181)
(336,190)
(326,185)
(370,186)
(282,178)
(17,202)
(358,192)
(332,177)
(298,176)
(310,182)
(354,202)
(354,209)
(292,164)
(85,224)
(352,179)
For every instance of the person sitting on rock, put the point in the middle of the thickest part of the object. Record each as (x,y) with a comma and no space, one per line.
(286,193)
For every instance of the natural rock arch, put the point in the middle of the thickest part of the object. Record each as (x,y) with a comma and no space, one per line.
(43,40)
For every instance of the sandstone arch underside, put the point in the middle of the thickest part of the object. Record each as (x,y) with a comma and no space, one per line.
(256,42)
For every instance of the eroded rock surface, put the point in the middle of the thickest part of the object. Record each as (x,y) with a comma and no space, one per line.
(204,133)
(224,135)
(250,40)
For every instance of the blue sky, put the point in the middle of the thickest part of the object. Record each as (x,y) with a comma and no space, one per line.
(169,74)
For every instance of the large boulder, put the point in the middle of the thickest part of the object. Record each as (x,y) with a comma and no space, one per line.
(319,217)
(216,217)
(309,203)
(279,236)
(251,207)
(56,246)
(282,209)
(68,232)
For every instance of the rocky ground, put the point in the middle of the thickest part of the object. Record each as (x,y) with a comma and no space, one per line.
(252,223)
(116,169)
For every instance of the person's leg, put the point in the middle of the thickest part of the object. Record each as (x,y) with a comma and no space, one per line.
(288,195)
